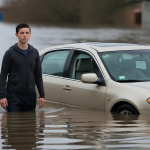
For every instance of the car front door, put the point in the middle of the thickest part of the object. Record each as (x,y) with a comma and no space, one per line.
(77,93)
(52,69)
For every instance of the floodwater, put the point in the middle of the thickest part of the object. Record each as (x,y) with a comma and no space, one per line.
(43,36)
(62,127)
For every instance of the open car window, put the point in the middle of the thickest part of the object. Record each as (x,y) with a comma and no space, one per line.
(82,63)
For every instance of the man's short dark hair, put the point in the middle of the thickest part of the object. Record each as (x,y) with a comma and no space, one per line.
(22,25)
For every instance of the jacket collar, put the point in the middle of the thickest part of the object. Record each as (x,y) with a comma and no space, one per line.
(15,47)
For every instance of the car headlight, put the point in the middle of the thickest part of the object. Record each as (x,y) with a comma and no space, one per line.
(148,100)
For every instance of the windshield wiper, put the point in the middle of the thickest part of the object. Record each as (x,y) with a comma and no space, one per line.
(131,80)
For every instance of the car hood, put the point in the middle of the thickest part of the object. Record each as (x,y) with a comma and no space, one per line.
(145,86)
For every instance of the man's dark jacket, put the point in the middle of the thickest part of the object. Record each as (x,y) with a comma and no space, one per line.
(23,72)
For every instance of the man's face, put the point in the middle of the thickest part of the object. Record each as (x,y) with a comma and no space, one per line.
(23,35)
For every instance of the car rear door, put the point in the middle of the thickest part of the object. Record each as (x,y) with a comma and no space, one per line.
(53,64)
(73,91)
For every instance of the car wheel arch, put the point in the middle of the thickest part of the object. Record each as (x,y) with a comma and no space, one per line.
(118,104)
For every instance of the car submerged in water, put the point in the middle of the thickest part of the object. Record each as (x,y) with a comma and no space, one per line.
(106,76)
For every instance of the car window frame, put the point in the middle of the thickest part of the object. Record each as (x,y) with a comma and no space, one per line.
(56,50)
(68,67)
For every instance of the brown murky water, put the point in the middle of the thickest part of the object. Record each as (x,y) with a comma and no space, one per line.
(64,127)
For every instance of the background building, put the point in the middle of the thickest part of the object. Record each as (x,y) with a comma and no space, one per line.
(146,15)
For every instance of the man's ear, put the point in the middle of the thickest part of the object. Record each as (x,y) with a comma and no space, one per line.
(16,34)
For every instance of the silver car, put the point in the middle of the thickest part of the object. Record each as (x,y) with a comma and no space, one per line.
(106,76)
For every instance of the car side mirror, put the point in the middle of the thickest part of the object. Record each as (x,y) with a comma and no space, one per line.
(92,78)
(89,78)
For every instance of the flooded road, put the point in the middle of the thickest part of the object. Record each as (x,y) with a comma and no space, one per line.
(63,127)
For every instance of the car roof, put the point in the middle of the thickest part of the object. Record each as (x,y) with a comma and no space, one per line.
(111,44)
(100,47)
(103,47)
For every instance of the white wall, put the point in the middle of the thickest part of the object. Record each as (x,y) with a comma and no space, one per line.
(146,15)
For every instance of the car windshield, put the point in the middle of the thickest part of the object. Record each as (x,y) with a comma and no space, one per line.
(127,66)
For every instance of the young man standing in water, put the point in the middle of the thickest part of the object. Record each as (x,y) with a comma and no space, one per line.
(21,63)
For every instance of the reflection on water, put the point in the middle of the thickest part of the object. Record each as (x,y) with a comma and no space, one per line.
(64,127)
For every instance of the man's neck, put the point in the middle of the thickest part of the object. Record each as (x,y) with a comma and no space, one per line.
(23,46)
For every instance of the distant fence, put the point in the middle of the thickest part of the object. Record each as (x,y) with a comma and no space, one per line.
(1,16)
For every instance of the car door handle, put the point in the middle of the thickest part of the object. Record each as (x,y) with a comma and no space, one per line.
(67,87)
